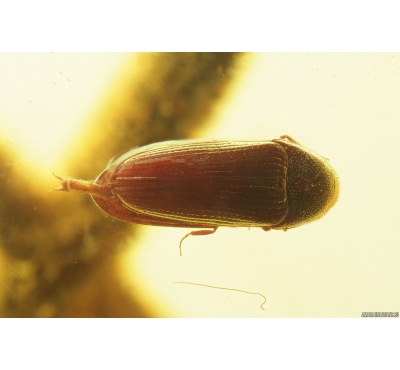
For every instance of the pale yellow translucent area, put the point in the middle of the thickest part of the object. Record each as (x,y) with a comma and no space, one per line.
(346,107)
(47,98)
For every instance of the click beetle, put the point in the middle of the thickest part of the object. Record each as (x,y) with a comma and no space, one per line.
(273,184)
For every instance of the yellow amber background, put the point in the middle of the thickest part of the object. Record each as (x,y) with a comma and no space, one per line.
(344,106)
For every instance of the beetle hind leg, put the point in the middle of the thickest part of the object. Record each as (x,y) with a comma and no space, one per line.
(196,233)
(64,186)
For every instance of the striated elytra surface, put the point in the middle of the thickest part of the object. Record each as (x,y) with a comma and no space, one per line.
(276,184)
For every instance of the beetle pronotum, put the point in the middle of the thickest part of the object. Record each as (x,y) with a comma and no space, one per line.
(274,184)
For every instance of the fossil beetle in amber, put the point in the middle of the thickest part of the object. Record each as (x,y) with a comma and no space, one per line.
(272,184)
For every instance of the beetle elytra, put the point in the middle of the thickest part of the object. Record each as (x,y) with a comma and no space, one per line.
(272,184)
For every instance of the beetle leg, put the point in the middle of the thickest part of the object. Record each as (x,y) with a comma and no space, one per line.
(64,186)
(195,233)
(288,137)
(266,228)
(83,186)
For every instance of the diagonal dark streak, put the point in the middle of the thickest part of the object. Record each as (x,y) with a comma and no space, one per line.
(60,249)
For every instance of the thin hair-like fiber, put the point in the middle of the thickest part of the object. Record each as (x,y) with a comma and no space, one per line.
(223,288)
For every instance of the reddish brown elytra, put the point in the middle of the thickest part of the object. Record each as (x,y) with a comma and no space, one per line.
(272,184)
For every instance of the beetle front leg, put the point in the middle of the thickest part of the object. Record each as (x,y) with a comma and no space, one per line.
(288,137)
(195,233)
